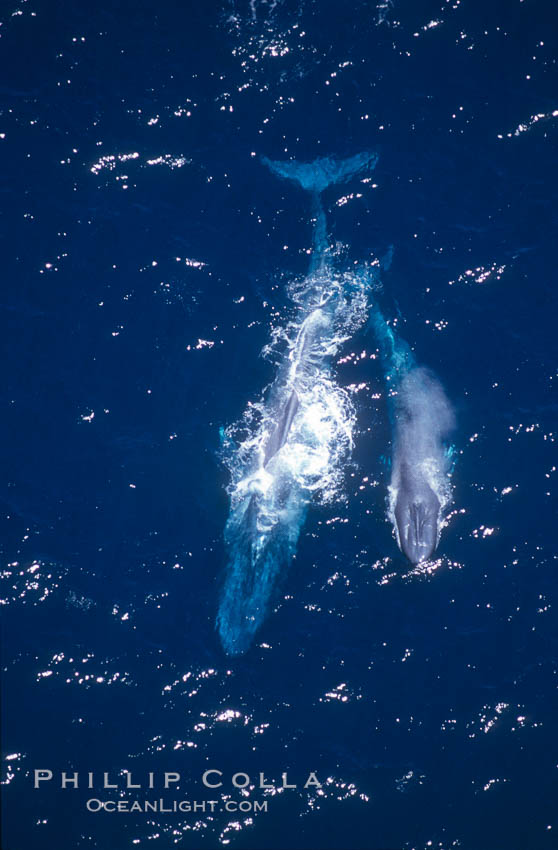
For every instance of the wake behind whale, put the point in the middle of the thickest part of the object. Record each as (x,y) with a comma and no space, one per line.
(290,447)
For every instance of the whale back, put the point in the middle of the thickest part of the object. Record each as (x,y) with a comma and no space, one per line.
(278,436)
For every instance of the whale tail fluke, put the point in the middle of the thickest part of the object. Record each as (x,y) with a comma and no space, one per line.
(323,172)
(314,177)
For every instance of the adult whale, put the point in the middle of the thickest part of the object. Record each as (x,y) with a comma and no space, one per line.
(422,420)
(293,441)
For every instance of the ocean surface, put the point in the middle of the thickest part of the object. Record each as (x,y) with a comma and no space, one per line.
(146,260)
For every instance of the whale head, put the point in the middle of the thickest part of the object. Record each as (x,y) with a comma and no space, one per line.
(417,514)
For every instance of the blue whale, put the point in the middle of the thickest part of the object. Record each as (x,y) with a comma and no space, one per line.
(422,420)
(297,433)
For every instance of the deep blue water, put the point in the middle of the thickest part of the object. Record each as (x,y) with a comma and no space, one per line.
(138,220)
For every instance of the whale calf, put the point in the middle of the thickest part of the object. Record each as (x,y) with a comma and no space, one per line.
(422,420)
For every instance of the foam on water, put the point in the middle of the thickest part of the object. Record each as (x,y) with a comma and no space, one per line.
(270,497)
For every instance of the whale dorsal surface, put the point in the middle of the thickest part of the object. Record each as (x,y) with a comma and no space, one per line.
(278,436)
